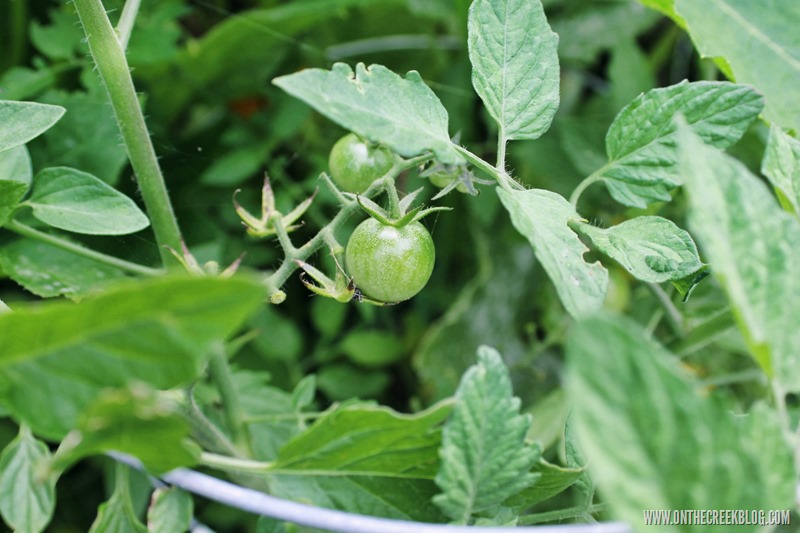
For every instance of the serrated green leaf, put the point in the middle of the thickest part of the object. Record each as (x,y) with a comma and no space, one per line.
(640,143)
(23,121)
(781,166)
(367,440)
(11,194)
(15,165)
(26,501)
(75,201)
(686,286)
(365,459)
(753,247)
(552,480)
(401,113)
(134,420)
(484,456)
(86,138)
(170,511)
(48,271)
(116,515)
(514,58)
(61,38)
(652,249)
(653,442)
(157,331)
(760,43)
(542,216)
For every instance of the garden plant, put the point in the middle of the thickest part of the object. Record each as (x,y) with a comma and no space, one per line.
(421,262)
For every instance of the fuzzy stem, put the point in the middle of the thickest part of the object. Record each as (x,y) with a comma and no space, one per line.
(112,66)
(503,179)
(126,20)
(220,372)
(594,177)
(27,231)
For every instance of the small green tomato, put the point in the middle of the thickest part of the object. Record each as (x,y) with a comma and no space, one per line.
(387,263)
(354,164)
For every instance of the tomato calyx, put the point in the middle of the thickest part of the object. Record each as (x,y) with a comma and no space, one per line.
(265,225)
(341,288)
(449,177)
(404,215)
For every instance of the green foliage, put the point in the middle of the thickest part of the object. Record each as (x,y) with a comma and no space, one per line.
(759,47)
(279,392)
(754,248)
(485,459)
(170,510)
(542,217)
(652,249)
(27,499)
(517,74)
(23,121)
(158,332)
(641,140)
(379,105)
(626,389)
(75,201)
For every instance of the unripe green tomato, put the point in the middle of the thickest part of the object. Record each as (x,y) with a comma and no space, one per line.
(354,164)
(390,264)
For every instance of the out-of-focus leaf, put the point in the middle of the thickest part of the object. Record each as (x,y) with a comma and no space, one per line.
(15,165)
(170,511)
(753,247)
(48,271)
(759,42)
(23,121)
(781,166)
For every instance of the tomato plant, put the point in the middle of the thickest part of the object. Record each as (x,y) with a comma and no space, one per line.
(388,263)
(214,291)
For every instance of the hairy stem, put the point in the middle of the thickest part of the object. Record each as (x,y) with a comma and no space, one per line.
(220,372)
(582,186)
(112,66)
(133,268)
(501,152)
(228,464)
(126,20)
(503,179)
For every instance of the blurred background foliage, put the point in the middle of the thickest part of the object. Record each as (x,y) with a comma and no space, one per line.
(203,69)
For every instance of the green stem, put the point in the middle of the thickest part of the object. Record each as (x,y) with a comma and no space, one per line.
(112,66)
(220,372)
(501,151)
(672,314)
(17,32)
(126,20)
(582,186)
(228,464)
(503,179)
(205,432)
(27,231)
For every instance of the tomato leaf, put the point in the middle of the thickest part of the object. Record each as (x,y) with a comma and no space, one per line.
(75,201)
(781,166)
(653,249)
(48,271)
(22,121)
(26,501)
(15,165)
(653,441)
(485,458)
(116,515)
(640,143)
(753,247)
(170,510)
(367,459)
(515,65)
(401,113)
(542,217)
(134,420)
(11,194)
(156,331)
(759,43)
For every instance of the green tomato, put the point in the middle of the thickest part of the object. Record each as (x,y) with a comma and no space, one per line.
(355,164)
(390,264)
